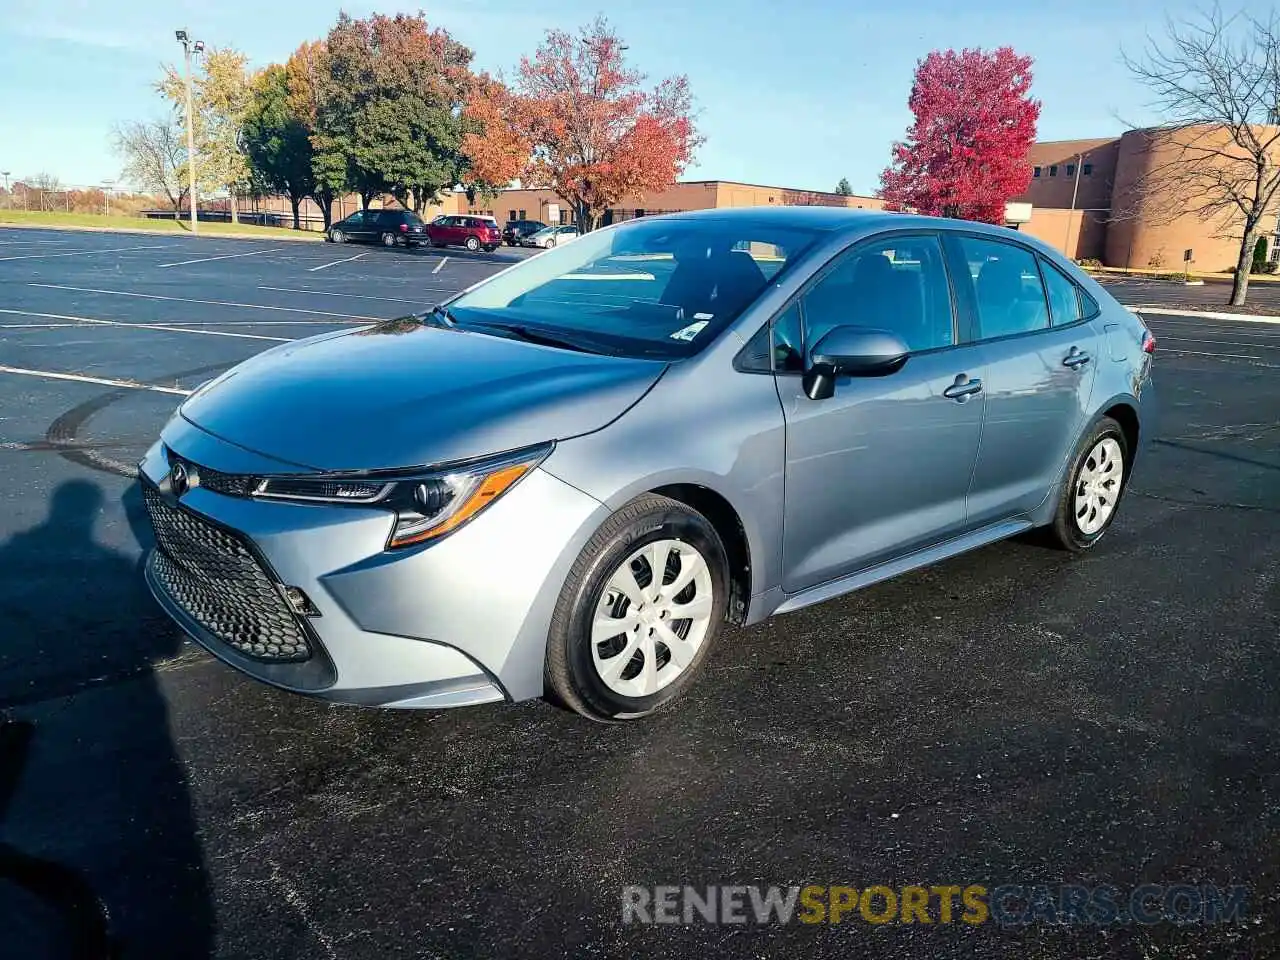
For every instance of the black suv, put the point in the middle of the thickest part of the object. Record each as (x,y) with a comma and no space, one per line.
(517,230)
(391,228)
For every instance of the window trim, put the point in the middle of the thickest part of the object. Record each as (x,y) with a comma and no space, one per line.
(975,323)
(959,334)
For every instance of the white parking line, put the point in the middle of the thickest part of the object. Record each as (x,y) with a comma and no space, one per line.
(83,253)
(325,266)
(103,381)
(33,241)
(350,296)
(1257,361)
(443,261)
(228,256)
(214,303)
(1220,343)
(144,326)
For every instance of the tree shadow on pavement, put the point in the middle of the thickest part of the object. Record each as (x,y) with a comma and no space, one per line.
(99,854)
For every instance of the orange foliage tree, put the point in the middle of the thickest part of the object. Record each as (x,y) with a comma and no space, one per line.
(579,122)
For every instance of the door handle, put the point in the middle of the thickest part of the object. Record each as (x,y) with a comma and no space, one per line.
(962,389)
(1076,358)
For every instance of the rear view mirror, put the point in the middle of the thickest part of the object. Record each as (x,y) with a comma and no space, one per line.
(852,352)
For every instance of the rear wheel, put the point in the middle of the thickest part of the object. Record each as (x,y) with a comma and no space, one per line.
(1096,481)
(473,244)
(389,240)
(337,236)
(639,611)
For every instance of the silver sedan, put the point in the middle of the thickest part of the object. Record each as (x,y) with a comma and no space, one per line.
(566,480)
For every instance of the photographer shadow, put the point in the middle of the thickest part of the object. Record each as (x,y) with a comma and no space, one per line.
(99,852)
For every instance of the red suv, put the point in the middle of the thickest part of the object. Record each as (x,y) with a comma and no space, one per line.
(474,233)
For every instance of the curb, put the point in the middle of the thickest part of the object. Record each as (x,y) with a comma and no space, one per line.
(1140,273)
(181,234)
(1203,314)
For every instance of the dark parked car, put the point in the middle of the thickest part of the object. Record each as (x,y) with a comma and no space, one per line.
(391,228)
(517,230)
(474,233)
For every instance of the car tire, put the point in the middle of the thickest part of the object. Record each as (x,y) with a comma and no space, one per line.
(389,240)
(551,242)
(1096,481)
(584,669)
(337,236)
(490,248)
(473,244)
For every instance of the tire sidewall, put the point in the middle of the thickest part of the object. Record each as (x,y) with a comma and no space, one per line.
(337,236)
(473,244)
(388,240)
(1068,530)
(688,527)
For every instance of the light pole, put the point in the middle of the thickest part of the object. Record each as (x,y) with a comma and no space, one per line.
(1075,189)
(106,196)
(8,199)
(190,46)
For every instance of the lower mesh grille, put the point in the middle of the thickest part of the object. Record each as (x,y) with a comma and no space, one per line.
(215,578)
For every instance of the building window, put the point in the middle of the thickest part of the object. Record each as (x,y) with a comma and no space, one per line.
(1071,169)
(1053,170)
(1035,172)
(512,214)
(1087,169)
(521,217)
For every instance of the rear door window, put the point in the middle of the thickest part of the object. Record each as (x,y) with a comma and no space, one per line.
(1064,297)
(1006,287)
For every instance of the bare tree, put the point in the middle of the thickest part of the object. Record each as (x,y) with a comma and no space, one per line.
(155,157)
(1216,84)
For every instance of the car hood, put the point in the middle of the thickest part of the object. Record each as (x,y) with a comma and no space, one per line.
(402,394)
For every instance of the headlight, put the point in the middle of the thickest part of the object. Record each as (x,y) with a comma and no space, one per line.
(427,505)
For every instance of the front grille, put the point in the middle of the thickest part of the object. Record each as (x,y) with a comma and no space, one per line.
(214,576)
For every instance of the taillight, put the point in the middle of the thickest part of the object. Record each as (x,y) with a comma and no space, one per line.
(404,228)
(1148,342)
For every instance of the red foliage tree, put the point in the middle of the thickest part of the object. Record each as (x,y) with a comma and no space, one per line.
(578,121)
(966,153)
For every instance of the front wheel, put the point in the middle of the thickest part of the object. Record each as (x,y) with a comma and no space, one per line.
(473,244)
(1096,481)
(337,236)
(639,611)
(551,242)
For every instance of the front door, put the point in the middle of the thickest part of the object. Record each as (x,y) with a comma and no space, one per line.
(1040,353)
(881,468)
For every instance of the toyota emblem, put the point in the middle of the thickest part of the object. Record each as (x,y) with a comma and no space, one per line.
(179,480)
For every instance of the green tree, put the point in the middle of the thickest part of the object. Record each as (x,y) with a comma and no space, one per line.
(221,97)
(278,141)
(843,188)
(389,94)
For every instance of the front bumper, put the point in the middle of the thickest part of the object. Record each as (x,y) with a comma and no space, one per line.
(456,622)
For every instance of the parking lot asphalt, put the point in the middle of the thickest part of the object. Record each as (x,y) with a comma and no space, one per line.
(1263,297)
(1013,716)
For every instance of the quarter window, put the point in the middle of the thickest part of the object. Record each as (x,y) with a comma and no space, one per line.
(1064,304)
(1006,287)
(897,284)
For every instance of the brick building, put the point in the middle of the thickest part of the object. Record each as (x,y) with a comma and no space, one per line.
(1100,199)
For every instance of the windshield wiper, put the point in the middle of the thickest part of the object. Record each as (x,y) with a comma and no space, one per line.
(439,316)
(530,335)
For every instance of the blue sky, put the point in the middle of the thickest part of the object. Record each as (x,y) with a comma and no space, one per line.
(793,94)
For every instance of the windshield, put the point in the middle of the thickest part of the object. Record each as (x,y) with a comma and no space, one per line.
(648,287)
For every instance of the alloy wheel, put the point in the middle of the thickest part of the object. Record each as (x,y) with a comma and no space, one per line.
(337,236)
(1098,486)
(652,619)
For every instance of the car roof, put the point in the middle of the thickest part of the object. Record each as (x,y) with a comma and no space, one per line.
(838,220)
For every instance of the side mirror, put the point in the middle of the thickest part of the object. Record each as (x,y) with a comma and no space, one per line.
(852,352)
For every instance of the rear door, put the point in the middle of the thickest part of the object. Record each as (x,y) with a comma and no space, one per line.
(1039,364)
(881,468)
